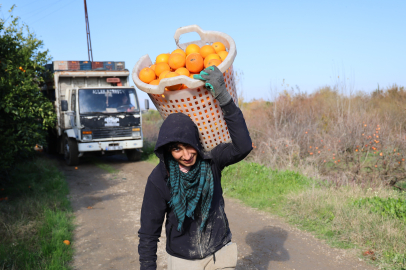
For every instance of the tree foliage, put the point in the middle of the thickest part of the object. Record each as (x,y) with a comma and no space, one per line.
(25,114)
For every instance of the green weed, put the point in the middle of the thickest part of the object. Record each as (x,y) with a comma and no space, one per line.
(260,186)
(395,208)
(36,218)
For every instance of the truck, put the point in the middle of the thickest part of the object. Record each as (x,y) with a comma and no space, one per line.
(97,110)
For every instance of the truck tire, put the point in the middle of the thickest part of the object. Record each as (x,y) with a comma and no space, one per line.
(70,151)
(133,154)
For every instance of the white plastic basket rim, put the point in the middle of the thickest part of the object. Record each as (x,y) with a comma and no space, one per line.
(207,37)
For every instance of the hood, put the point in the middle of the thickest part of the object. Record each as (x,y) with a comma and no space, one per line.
(178,127)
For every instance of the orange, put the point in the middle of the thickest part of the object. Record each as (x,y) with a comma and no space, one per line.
(206,50)
(183,71)
(191,75)
(163,74)
(194,62)
(176,61)
(192,48)
(214,62)
(154,82)
(160,67)
(223,55)
(179,51)
(183,87)
(66,242)
(147,75)
(171,75)
(210,57)
(152,67)
(218,46)
(173,87)
(163,57)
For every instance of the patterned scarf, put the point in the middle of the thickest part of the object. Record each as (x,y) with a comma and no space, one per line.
(188,188)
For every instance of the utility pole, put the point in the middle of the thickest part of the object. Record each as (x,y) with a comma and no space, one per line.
(89,41)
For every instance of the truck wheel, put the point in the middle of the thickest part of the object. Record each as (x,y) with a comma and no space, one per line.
(133,155)
(70,151)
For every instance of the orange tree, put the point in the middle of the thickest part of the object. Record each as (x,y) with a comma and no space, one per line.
(25,114)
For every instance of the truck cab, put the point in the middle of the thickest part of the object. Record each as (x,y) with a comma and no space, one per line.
(97,111)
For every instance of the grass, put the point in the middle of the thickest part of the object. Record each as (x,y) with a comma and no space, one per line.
(329,212)
(36,218)
(261,187)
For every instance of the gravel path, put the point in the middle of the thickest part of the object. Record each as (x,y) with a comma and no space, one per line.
(107,207)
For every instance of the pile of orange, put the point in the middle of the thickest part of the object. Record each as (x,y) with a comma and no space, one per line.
(188,63)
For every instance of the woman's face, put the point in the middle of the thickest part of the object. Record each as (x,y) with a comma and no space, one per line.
(185,154)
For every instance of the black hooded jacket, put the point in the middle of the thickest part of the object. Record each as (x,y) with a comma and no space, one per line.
(189,243)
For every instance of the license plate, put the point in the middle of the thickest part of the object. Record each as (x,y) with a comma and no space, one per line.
(111,148)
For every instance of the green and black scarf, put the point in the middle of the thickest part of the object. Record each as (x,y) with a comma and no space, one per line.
(188,188)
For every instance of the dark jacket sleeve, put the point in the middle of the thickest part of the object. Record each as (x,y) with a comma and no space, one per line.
(152,216)
(226,154)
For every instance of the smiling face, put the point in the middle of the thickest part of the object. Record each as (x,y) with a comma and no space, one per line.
(185,154)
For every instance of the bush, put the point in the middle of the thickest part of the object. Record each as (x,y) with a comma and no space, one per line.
(25,114)
(151,123)
(347,139)
(392,207)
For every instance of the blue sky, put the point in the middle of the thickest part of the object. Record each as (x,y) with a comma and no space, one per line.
(303,43)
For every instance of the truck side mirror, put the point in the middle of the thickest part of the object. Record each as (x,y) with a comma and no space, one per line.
(146,104)
(64,105)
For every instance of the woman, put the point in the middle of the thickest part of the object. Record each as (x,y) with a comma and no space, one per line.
(186,188)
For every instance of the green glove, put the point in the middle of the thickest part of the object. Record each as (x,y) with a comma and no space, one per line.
(215,83)
(207,85)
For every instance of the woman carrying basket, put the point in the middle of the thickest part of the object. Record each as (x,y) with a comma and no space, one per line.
(186,188)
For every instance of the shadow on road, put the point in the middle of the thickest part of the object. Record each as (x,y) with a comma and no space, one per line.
(267,245)
(89,180)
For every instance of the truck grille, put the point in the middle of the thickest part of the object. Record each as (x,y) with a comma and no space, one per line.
(115,132)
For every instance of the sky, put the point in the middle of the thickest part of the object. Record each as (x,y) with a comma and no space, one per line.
(302,45)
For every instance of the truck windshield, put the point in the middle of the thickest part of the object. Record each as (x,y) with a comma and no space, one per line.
(107,100)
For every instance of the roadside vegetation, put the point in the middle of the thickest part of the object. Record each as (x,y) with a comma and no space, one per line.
(35,218)
(151,122)
(25,114)
(368,221)
(35,214)
(352,148)
(331,162)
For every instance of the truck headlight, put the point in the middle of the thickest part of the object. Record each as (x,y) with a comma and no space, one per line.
(136,132)
(86,135)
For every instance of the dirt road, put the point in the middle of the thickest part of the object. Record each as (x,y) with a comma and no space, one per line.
(106,195)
